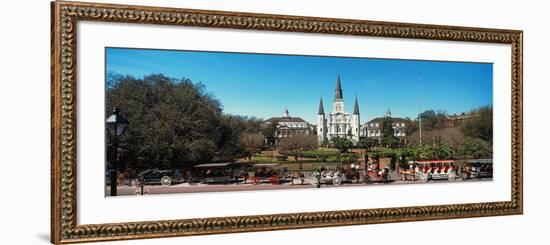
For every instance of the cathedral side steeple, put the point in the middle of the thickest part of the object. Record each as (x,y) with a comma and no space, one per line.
(356,107)
(355,121)
(321,109)
(321,123)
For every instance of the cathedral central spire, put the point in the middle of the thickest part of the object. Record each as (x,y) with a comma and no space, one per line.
(338,91)
(338,123)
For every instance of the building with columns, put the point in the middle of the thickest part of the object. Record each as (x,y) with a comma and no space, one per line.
(373,128)
(338,123)
(288,126)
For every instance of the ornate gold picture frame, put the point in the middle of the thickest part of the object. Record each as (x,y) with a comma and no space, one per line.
(64,108)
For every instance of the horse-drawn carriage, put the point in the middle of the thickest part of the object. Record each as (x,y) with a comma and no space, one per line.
(211,173)
(326,177)
(377,175)
(267,173)
(430,170)
(225,173)
(345,174)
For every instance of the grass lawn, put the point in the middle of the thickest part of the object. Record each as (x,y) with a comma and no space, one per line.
(292,166)
(319,151)
(309,156)
(268,159)
(331,154)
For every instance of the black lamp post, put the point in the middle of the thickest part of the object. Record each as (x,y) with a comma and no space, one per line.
(115,125)
(301,157)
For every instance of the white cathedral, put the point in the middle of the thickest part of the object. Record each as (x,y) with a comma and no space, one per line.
(339,123)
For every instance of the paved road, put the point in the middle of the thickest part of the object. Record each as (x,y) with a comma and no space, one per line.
(186,188)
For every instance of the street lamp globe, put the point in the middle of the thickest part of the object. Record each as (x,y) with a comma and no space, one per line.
(116,124)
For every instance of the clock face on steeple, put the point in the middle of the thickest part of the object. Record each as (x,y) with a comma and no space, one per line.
(338,106)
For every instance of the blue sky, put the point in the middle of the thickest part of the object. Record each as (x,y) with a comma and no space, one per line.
(262,85)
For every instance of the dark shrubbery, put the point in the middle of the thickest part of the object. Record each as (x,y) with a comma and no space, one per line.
(174,123)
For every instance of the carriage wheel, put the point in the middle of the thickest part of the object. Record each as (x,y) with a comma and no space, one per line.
(424,178)
(274,180)
(368,180)
(166,181)
(337,180)
(451,176)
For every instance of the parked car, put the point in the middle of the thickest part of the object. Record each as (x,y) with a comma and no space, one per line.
(477,168)
(158,176)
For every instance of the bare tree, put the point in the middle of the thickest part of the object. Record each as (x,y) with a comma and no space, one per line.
(452,136)
(251,144)
(298,143)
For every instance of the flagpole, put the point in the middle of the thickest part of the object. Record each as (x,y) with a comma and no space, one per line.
(419,107)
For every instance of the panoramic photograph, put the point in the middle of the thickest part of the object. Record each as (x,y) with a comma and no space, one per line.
(180,121)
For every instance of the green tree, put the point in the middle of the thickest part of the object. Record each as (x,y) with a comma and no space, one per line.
(387,127)
(480,125)
(347,158)
(436,151)
(444,151)
(230,129)
(201,150)
(174,123)
(389,141)
(408,153)
(367,143)
(250,124)
(432,119)
(476,148)
(388,135)
(269,131)
(342,144)
(429,118)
